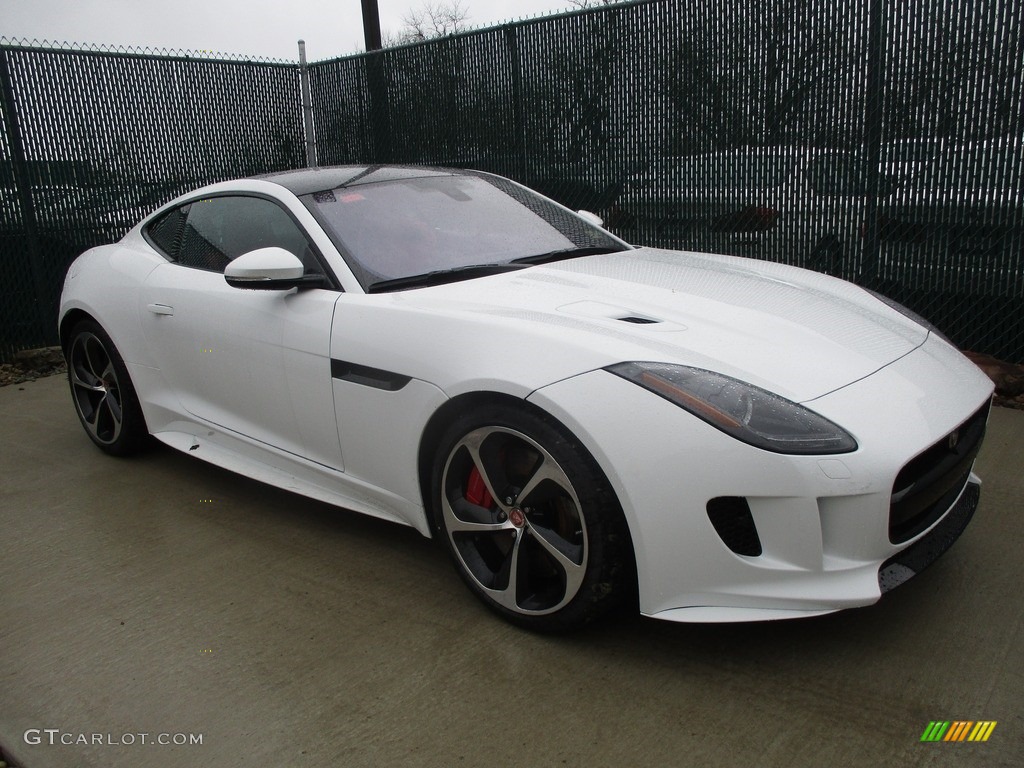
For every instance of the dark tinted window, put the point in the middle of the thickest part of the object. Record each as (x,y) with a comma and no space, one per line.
(723,171)
(166,231)
(208,234)
(842,175)
(985,171)
(989,167)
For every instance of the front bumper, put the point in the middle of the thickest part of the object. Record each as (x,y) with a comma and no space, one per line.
(823,522)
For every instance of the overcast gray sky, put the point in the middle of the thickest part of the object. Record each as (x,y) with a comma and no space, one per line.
(250,27)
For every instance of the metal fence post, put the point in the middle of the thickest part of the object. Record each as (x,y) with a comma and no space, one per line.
(518,121)
(380,117)
(873,116)
(46,324)
(307,107)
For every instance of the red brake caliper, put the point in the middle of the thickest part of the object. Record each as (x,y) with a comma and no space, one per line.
(476,491)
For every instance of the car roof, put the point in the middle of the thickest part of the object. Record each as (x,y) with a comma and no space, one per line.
(304,181)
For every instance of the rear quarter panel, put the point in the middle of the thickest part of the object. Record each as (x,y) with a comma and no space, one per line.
(104,283)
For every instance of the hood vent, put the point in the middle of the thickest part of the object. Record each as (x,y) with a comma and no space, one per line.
(598,310)
(637,320)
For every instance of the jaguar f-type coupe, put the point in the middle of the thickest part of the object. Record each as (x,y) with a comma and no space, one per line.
(583,424)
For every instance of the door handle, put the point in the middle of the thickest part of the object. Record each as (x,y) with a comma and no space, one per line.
(160,309)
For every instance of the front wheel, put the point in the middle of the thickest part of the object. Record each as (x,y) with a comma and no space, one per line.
(529,519)
(104,397)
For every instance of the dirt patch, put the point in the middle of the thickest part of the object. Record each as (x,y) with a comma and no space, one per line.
(1009,402)
(1008,378)
(31,364)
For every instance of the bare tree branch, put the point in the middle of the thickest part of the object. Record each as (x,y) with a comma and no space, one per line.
(593,3)
(432,19)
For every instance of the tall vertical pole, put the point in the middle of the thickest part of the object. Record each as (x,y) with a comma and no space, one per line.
(307,107)
(518,113)
(873,116)
(376,82)
(371,25)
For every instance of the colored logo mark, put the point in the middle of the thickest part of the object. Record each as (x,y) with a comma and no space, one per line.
(958,730)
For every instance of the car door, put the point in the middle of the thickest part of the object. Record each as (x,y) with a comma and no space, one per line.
(255,362)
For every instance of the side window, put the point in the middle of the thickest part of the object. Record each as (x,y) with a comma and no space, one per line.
(838,175)
(166,231)
(218,229)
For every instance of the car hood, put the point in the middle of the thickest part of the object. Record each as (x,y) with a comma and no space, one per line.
(798,333)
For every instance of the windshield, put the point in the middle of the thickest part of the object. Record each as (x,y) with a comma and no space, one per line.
(843,174)
(912,150)
(977,168)
(984,167)
(390,230)
(726,171)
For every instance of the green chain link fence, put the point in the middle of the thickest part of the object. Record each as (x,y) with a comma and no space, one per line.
(92,140)
(879,141)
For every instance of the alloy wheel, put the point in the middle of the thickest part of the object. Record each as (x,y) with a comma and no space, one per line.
(95,386)
(514,520)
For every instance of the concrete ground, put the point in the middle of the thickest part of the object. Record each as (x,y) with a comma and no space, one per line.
(166,597)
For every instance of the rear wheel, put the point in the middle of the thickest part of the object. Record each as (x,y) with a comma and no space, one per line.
(529,519)
(104,398)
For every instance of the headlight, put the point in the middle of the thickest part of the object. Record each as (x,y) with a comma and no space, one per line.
(748,413)
(910,315)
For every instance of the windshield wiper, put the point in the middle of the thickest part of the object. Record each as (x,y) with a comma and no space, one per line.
(565,253)
(441,276)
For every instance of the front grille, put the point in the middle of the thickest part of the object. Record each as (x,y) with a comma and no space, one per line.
(929,484)
(922,553)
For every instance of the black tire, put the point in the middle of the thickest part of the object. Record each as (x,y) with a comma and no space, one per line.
(102,391)
(547,515)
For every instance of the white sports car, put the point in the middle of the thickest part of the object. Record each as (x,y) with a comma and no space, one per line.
(584,424)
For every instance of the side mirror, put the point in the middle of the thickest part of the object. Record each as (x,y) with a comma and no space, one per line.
(591,218)
(269,269)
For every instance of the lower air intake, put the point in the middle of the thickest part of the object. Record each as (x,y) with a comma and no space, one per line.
(730,515)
